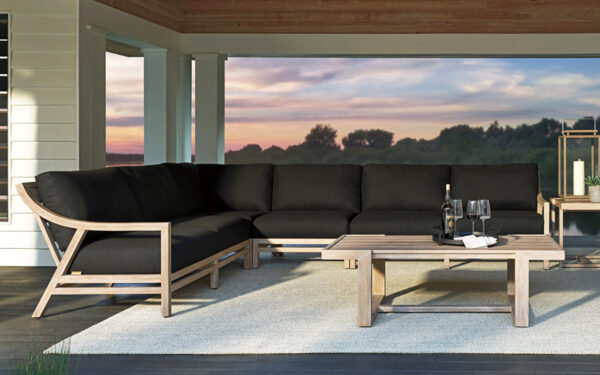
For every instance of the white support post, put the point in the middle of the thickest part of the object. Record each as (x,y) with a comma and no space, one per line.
(183,115)
(210,108)
(167,106)
(92,97)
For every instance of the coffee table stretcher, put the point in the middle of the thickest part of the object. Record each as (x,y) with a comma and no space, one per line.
(371,278)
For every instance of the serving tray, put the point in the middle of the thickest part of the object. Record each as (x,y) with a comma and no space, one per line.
(436,236)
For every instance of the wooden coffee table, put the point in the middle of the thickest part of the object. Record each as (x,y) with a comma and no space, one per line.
(372,251)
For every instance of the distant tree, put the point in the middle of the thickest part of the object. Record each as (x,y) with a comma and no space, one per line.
(584,123)
(251,148)
(372,139)
(321,136)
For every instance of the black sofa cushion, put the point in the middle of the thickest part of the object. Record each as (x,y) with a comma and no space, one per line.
(509,222)
(155,191)
(94,195)
(507,186)
(139,252)
(317,187)
(302,224)
(404,187)
(230,230)
(395,222)
(237,187)
(188,184)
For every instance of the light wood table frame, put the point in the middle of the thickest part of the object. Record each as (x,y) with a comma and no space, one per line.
(163,283)
(372,251)
(560,206)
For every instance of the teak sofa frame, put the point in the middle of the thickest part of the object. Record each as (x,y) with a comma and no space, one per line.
(168,282)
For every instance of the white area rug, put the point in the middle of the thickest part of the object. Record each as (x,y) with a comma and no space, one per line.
(289,306)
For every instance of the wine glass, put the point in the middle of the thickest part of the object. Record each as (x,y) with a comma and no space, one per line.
(458,208)
(485,212)
(473,213)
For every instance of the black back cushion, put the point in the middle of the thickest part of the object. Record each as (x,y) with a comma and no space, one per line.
(507,186)
(95,195)
(188,184)
(240,187)
(404,187)
(155,191)
(317,187)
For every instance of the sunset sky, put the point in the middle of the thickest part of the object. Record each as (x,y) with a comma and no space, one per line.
(275,101)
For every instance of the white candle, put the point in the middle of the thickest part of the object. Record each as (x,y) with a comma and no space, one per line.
(578,177)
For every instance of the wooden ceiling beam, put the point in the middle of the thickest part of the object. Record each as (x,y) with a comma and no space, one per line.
(368,16)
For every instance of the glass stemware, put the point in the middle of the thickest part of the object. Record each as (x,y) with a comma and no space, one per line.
(458,208)
(473,213)
(485,212)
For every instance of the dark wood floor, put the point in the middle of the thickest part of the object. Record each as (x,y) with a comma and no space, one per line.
(20,288)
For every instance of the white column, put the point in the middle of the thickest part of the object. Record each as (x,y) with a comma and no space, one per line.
(184,108)
(167,106)
(92,97)
(210,108)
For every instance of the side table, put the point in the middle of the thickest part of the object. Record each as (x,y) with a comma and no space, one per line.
(573,205)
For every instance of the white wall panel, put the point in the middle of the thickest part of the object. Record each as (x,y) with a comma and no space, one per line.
(25,257)
(27,77)
(43,42)
(21,240)
(43,24)
(39,114)
(43,96)
(43,60)
(29,168)
(42,150)
(44,132)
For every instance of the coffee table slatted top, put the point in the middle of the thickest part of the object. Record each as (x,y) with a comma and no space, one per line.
(536,247)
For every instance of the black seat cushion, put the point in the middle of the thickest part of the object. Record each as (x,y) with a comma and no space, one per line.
(188,185)
(404,187)
(317,187)
(230,229)
(235,187)
(507,186)
(155,191)
(395,222)
(509,222)
(94,195)
(139,252)
(302,224)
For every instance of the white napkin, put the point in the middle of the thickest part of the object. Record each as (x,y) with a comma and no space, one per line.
(474,242)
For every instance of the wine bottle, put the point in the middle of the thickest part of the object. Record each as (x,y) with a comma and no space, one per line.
(448,216)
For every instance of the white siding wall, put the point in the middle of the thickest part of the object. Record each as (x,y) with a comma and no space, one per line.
(43,112)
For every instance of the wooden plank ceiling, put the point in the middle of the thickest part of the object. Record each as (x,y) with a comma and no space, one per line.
(368,16)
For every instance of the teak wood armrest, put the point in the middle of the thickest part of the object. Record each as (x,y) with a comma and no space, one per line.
(61,283)
(28,192)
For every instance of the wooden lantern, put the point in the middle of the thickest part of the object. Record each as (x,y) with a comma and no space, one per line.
(590,135)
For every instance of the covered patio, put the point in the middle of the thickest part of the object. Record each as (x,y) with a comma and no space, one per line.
(279,308)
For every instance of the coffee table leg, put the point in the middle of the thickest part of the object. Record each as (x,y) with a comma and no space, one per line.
(521,304)
(510,277)
(365,290)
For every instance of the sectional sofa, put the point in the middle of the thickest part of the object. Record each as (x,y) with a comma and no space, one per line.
(158,228)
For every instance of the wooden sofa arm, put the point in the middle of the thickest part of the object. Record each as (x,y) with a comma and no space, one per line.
(28,193)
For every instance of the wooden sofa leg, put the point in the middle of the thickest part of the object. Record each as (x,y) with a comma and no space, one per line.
(255,255)
(349,264)
(214,278)
(546,264)
(447,263)
(248,256)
